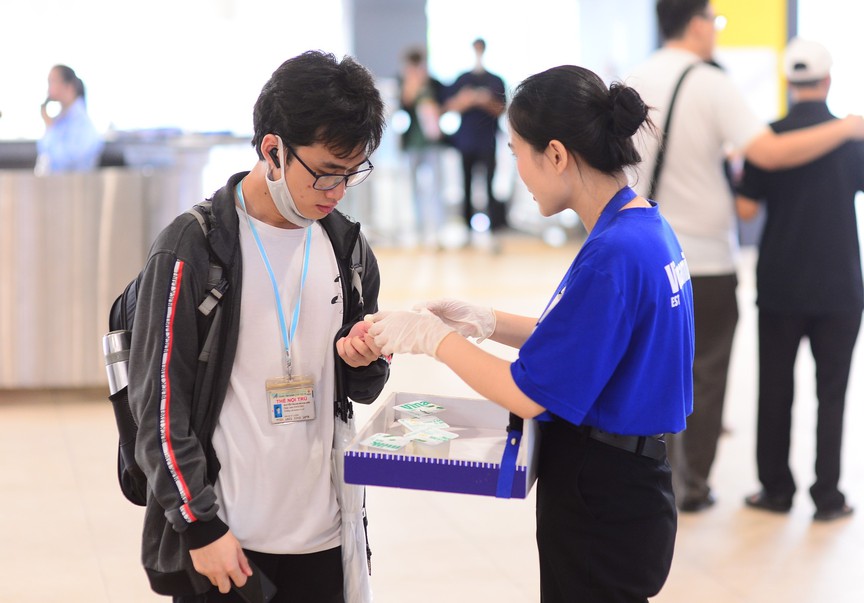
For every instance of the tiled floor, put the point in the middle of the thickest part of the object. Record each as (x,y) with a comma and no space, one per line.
(67,535)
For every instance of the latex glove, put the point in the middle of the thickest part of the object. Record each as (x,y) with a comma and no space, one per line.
(468,320)
(403,332)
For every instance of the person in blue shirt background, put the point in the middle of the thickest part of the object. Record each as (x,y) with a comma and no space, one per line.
(479,97)
(607,368)
(71,141)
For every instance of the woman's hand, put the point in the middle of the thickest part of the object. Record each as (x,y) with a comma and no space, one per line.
(467,319)
(404,332)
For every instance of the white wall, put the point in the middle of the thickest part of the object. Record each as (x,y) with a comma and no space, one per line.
(837,25)
(198,65)
(522,38)
(193,64)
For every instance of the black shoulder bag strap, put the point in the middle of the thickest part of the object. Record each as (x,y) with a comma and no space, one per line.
(661,149)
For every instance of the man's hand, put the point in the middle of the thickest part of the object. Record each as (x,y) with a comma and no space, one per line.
(222,562)
(747,208)
(356,349)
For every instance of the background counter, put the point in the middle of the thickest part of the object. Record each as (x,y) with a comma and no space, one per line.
(69,243)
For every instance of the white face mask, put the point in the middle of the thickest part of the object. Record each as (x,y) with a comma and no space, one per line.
(282,196)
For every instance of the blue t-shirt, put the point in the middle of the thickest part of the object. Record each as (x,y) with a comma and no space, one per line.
(478,129)
(614,348)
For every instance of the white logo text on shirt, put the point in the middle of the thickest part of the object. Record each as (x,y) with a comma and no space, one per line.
(678,275)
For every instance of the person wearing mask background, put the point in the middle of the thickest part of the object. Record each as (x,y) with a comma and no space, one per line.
(71,142)
(606,367)
(808,285)
(710,118)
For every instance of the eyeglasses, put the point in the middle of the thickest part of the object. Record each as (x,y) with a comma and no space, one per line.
(327,182)
(719,21)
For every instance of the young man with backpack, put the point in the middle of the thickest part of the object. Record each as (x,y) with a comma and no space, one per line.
(241,444)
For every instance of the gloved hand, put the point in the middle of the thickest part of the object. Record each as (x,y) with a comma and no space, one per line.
(468,320)
(403,332)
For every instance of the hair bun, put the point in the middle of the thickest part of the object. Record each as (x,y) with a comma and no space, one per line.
(628,111)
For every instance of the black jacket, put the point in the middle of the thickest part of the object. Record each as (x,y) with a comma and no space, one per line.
(176,397)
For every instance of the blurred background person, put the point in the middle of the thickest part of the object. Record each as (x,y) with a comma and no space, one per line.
(420,96)
(808,285)
(71,141)
(479,97)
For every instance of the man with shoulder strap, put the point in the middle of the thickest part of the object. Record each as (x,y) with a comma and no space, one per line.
(241,453)
(711,117)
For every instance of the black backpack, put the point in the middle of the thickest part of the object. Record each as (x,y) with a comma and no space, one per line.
(115,346)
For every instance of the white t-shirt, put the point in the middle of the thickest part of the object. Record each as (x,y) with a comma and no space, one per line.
(274,488)
(710,117)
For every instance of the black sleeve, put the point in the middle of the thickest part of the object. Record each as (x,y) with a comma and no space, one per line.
(752,184)
(364,384)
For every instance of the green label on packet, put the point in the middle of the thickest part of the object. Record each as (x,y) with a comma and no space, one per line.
(385,441)
(419,408)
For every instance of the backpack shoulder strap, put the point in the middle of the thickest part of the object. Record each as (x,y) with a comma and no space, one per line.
(216,283)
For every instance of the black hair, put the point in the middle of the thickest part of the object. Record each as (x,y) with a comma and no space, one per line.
(573,105)
(416,55)
(67,74)
(673,16)
(313,98)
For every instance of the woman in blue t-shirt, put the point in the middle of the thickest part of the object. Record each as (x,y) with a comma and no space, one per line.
(607,366)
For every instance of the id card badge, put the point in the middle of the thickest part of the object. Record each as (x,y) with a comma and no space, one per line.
(290,400)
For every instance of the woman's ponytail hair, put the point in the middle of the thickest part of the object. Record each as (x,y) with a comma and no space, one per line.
(628,111)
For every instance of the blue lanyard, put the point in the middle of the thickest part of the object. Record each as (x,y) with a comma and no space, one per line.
(287,336)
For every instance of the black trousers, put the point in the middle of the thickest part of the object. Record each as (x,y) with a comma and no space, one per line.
(495,210)
(692,452)
(312,578)
(606,520)
(832,340)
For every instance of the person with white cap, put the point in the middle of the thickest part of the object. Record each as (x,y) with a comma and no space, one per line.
(809,284)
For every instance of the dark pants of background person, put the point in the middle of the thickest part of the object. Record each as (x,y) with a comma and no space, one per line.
(832,339)
(692,452)
(495,210)
(606,520)
(312,578)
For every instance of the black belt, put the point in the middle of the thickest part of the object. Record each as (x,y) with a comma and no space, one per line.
(654,447)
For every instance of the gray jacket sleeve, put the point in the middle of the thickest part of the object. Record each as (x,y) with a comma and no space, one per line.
(162,377)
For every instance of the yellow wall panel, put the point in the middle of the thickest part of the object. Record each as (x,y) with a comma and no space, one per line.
(753,23)
(756,24)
